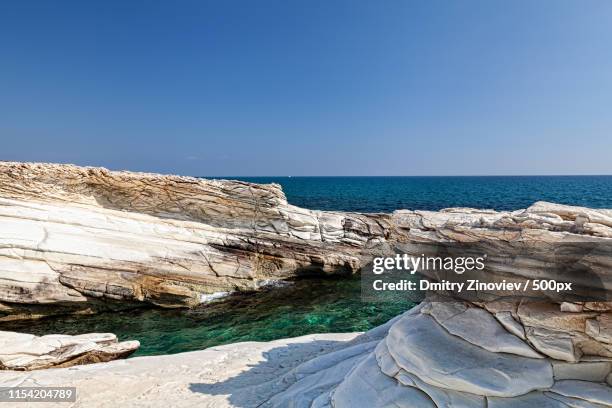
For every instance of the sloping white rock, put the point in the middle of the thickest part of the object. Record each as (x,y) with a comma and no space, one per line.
(531,400)
(460,321)
(573,402)
(420,346)
(595,371)
(444,397)
(510,324)
(555,344)
(385,361)
(594,392)
(367,386)
(302,394)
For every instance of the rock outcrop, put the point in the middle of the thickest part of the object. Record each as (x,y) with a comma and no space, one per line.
(83,239)
(454,354)
(75,239)
(419,359)
(233,375)
(24,352)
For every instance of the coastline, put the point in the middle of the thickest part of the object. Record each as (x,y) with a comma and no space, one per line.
(234,375)
(83,238)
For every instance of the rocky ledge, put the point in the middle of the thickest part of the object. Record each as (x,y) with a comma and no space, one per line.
(440,354)
(24,352)
(80,239)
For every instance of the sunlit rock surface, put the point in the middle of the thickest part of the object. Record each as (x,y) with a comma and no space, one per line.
(78,239)
(24,352)
(409,362)
(74,239)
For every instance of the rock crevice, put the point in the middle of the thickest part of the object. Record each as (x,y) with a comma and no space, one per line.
(76,239)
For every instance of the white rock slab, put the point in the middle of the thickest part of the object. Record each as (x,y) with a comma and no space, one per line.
(367,386)
(422,347)
(598,393)
(514,327)
(28,352)
(571,307)
(596,371)
(531,400)
(490,334)
(385,361)
(555,344)
(443,397)
(573,402)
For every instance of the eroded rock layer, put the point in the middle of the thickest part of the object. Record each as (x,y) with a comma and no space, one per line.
(75,239)
(78,239)
(72,238)
(24,352)
(454,354)
(419,359)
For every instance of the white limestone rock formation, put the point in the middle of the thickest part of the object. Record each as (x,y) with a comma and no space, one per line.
(80,239)
(23,352)
(234,375)
(75,239)
(410,362)
(427,361)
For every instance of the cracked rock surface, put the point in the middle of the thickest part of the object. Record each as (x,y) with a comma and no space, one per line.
(76,239)
(81,239)
(23,352)
(412,361)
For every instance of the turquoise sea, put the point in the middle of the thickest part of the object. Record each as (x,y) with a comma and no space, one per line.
(323,305)
(304,307)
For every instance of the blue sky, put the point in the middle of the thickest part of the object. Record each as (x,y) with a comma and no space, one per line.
(250,88)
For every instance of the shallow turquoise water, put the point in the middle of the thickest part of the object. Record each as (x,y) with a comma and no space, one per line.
(305,307)
(333,305)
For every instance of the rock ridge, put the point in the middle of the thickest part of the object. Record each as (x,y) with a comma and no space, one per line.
(82,239)
(78,239)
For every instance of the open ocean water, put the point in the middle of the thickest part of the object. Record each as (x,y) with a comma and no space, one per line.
(323,305)
(386,194)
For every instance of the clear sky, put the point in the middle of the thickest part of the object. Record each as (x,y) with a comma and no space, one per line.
(249,88)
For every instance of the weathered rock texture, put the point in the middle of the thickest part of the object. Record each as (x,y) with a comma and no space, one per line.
(25,352)
(73,239)
(420,359)
(454,354)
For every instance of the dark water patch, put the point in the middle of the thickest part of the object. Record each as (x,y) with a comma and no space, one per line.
(305,307)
